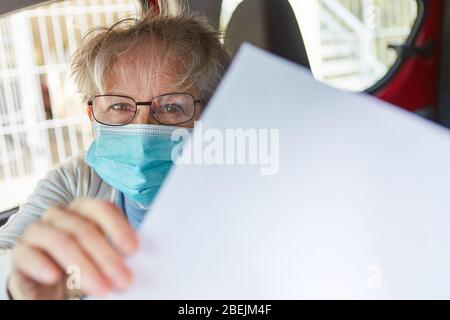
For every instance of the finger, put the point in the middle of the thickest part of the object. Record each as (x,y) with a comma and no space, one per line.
(93,243)
(66,252)
(35,264)
(111,220)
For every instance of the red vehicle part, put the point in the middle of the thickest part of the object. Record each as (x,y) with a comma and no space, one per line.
(415,85)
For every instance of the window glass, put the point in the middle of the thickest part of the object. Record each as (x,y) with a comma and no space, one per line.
(347,40)
(43,119)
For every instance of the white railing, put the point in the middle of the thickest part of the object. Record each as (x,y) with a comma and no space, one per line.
(366,27)
(365,50)
(42,117)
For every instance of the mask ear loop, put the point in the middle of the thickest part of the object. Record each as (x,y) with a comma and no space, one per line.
(93,129)
(91,117)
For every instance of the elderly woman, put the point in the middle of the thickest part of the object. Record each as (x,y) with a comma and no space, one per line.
(142,79)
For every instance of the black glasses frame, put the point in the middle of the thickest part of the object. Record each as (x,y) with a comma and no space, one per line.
(142,103)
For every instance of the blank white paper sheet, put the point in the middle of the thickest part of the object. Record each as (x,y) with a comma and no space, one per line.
(358,205)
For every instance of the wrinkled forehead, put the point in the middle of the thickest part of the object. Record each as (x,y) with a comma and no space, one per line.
(144,72)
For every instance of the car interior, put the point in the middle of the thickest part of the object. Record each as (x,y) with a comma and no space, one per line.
(397,51)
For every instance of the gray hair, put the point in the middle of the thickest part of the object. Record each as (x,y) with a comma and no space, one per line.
(184,47)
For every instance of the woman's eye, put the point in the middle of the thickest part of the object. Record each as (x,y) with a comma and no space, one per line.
(120,107)
(171,108)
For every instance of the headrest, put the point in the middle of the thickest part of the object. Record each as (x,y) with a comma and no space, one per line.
(268,24)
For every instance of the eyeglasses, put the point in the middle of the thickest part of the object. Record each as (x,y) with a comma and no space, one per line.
(169,109)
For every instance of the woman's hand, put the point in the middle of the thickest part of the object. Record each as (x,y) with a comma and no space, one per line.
(91,236)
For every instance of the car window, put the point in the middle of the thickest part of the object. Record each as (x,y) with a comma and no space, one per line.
(43,119)
(347,40)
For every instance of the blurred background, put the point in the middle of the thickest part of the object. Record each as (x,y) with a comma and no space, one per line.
(44,121)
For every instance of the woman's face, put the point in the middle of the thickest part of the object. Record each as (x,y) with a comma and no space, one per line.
(133,83)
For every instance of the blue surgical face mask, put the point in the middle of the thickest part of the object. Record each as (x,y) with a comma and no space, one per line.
(134,158)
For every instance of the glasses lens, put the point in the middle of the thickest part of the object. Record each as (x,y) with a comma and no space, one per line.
(113,110)
(174,108)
